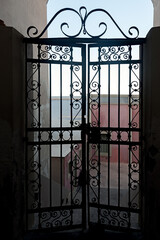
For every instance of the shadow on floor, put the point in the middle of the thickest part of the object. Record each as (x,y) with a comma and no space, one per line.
(95,232)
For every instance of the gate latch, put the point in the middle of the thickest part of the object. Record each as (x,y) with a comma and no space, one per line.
(92,132)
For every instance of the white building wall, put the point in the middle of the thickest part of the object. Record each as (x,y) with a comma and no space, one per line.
(156,4)
(20,14)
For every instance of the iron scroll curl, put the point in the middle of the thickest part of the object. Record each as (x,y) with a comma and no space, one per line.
(32,31)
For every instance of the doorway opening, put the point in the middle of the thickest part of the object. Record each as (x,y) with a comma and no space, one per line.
(84,108)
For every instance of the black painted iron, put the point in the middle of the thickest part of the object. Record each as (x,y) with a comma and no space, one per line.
(83,206)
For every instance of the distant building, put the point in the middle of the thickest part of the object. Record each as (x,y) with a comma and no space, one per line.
(107,152)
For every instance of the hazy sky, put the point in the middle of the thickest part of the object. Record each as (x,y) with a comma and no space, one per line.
(126,13)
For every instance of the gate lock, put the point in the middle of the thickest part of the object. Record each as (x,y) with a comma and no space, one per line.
(93,133)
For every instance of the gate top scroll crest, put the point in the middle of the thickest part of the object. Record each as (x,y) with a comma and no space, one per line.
(32,31)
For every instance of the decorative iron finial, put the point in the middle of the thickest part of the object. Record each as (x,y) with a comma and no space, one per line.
(32,31)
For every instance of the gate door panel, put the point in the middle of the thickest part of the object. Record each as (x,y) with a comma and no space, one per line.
(55,114)
(83,124)
(114,139)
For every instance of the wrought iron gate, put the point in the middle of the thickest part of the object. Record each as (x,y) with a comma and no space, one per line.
(83,130)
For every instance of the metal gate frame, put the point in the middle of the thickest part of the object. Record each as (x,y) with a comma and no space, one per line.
(62,217)
(113,216)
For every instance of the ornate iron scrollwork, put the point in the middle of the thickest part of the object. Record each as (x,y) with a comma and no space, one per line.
(83,15)
(85,130)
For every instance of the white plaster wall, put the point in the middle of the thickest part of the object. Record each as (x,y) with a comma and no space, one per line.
(21,14)
(156,4)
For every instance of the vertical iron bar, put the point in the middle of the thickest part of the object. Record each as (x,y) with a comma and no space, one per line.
(129,164)
(71,146)
(26,133)
(39,123)
(88,144)
(99,133)
(84,206)
(61,192)
(50,124)
(109,110)
(119,102)
(141,171)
